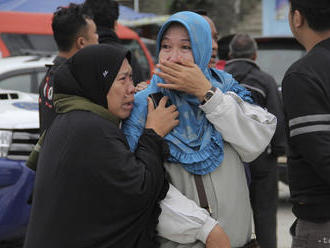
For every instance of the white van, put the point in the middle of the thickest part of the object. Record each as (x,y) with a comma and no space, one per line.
(19,132)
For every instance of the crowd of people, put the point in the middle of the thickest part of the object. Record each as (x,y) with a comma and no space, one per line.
(115,167)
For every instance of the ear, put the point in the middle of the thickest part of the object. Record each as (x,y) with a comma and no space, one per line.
(298,19)
(80,42)
(229,55)
(254,57)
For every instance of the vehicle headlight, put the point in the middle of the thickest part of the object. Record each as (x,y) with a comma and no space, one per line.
(5,141)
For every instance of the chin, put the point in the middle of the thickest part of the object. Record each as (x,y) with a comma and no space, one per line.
(124,116)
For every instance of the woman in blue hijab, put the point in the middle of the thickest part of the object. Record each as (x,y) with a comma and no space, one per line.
(218,126)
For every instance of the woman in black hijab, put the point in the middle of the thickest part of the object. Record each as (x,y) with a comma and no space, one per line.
(90,190)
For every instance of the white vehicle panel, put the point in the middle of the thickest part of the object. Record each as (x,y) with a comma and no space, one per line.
(19,113)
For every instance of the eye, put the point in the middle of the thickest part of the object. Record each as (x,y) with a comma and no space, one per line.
(186,47)
(125,78)
(164,46)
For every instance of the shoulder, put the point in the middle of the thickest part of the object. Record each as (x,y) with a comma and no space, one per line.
(87,131)
(309,71)
(141,101)
(265,78)
(57,63)
(297,67)
(142,95)
(311,63)
(59,60)
(139,113)
(88,123)
(222,76)
(140,98)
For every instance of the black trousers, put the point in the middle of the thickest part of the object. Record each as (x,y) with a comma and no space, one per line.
(264,199)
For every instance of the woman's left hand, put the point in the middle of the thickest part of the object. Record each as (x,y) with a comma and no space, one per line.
(184,76)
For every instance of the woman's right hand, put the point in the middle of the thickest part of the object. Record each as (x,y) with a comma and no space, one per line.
(161,119)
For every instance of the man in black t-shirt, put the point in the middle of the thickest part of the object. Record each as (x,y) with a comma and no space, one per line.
(306,97)
(73,29)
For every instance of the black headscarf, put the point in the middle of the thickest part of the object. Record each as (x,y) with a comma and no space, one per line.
(90,72)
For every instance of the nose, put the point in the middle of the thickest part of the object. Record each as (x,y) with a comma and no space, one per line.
(214,45)
(131,88)
(173,55)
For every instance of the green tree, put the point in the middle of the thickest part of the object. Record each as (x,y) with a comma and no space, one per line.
(225,13)
(222,12)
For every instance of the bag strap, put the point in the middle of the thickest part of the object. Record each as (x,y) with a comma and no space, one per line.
(201,193)
(253,243)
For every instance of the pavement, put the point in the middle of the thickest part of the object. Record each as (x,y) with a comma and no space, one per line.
(285,218)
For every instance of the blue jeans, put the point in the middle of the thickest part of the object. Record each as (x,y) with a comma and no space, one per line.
(311,235)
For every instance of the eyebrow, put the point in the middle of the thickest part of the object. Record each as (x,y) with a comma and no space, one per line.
(125,72)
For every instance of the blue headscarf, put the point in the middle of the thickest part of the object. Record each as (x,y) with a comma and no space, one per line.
(194,143)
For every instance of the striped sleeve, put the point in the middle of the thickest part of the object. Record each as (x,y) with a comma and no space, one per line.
(309,124)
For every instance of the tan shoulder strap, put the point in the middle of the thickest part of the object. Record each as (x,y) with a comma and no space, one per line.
(201,192)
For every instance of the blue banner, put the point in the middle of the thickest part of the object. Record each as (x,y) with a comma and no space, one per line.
(282,8)
(275,18)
